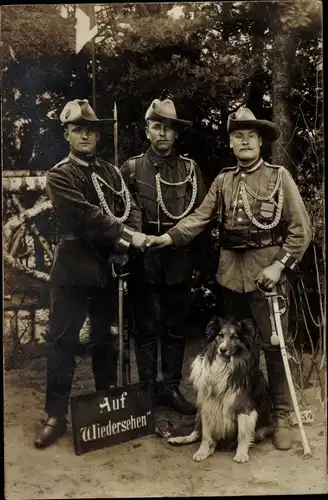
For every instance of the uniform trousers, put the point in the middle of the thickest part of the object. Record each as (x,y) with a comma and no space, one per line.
(255,306)
(160,312)
(69,307)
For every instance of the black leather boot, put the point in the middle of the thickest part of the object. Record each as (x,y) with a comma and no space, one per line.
(146,358)
(172,350)
(173,398)
(104,366)
(53,428)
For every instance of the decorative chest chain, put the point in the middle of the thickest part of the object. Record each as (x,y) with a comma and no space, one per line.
(123,193)
(244,189)
(191,177)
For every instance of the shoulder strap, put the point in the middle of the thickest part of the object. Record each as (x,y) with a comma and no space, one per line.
(227,169)
(188,163)
(61,162)
(270,165)
(132,164)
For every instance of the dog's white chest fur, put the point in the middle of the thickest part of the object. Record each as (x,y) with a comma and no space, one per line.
(215,398)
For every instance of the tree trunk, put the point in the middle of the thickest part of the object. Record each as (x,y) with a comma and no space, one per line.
(282,53)
(255,91)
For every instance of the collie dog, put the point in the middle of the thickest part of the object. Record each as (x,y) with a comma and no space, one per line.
(233,400)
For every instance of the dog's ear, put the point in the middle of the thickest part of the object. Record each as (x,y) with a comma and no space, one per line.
(248,328)
(213,328)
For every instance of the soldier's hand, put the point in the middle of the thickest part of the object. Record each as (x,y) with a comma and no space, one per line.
(159,241)
(269,276)
(120,259)
(139,240)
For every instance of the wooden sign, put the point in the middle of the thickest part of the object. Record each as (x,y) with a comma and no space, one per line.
(110,417)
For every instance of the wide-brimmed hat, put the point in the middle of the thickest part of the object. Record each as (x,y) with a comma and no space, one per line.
(80,111)
(163,111)
(245,118)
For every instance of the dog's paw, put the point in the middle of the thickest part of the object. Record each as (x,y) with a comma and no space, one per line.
(201,455)
(176,440)
(241,457)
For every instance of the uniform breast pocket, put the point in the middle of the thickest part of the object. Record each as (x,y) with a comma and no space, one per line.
(176,199)
(146,191)
(182,191)
(267,211)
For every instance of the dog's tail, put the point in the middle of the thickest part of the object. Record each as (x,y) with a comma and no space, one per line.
(262,433)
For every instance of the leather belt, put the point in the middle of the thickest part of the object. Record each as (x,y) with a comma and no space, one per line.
(244,239)
(153,227)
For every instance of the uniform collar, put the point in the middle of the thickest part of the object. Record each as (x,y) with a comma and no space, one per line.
(82,163)
(251,168)
(158,160)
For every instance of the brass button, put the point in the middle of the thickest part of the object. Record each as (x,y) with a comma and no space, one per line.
(240,201)
(240,209)
(243,175)
(239,219)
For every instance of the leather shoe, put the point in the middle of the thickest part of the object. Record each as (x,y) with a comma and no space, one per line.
(53,428)
(283,435)
(173,398)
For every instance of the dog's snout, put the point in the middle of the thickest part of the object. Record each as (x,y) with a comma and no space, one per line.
(223,349)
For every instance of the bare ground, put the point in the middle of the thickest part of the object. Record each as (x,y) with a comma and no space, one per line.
(146,467)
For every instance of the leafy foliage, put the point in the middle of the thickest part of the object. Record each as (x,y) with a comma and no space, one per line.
(212,58)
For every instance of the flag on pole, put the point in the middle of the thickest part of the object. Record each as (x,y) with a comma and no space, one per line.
(86,27)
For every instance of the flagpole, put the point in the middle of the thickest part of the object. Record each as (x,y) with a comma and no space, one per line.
(93,63)
(93,59)
(86,31)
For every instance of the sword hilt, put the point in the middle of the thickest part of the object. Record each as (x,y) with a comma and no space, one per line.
(274,296)
(266,292)
(118,275)
(273,302)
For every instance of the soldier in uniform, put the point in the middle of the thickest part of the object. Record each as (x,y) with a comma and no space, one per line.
(264,232)
(98,221)
(167,187)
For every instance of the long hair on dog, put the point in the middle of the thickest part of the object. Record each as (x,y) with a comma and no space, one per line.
(232,393)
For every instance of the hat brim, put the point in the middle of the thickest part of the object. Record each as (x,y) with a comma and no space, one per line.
(269,131)
(154,115)
(97,123)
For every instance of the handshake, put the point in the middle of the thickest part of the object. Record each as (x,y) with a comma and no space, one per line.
(142,241)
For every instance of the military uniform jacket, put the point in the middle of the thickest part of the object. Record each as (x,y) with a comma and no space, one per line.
(167,265)
(238,268)
(88,237)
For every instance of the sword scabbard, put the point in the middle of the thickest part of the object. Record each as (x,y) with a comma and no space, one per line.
(274,337)
(274,306)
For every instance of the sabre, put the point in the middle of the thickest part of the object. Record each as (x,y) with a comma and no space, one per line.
(277,338)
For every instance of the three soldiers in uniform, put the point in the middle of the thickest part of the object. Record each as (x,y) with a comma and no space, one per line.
(264,232)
